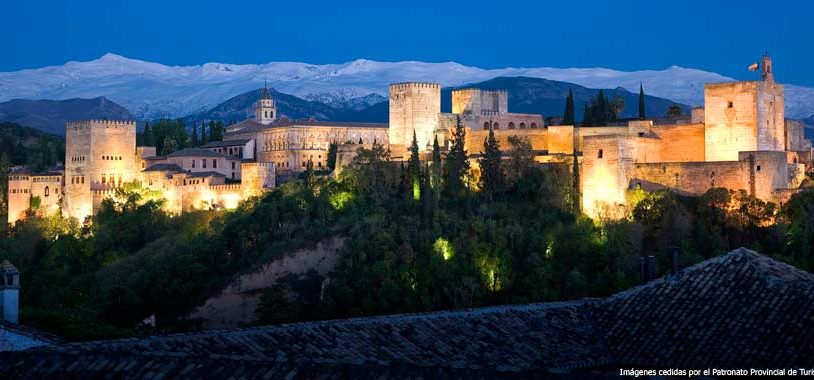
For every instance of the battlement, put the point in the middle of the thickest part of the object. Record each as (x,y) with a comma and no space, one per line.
(407,85)
(478,90)
(226,187)
(98,123)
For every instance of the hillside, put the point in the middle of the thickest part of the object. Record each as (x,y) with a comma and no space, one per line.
(547,97)
(51,115)
(31,147)
(241,107)
(153,90)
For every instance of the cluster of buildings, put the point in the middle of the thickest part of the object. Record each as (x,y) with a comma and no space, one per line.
(739,140)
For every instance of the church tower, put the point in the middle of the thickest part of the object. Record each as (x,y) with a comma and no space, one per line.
(265,111)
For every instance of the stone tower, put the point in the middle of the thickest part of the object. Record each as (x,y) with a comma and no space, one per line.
(477,102)
(744,116)
(9,292)
(415,107)
(100,155)
(265,111)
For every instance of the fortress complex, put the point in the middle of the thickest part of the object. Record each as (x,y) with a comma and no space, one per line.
(738,140)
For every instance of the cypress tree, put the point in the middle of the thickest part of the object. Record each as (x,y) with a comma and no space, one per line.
(641,102)
(492,178)
(194,138)
(414,169)
(568,115)
(587,118)
(147,135)
(456,165)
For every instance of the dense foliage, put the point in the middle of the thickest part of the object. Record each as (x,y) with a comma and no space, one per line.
(413,243)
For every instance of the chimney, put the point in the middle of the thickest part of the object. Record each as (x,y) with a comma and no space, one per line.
(647,268)
(9,292)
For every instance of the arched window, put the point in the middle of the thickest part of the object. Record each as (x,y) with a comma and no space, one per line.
(522,125)
(511,125)
(46,191)
(533,125)
(267,114)
(486,125)
(496,126)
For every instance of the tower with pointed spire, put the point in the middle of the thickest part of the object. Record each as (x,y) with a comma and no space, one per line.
(265,111)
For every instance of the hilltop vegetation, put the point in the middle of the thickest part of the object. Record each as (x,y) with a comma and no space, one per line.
(422,236)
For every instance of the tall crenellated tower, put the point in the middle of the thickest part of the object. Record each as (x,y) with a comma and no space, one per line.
(265,111)
(100,155)
(744,116)
(414,106)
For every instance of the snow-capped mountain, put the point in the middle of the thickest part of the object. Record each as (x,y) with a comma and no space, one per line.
(151,90)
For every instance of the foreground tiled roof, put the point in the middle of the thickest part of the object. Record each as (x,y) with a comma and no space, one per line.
(737,309)
(741,309)
(15,337)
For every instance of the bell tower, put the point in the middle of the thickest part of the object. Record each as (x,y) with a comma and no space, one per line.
(265,111)
(766,68)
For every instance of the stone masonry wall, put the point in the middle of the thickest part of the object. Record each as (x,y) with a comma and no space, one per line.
(414,107)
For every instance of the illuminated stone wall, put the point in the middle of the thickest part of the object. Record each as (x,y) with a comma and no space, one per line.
(19,195)
(291,147)
(730,116)
(607,163)
(472,101)
(413,107)
(99,154)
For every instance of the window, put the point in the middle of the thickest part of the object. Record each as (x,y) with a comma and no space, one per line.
(214,164)
(730,105)
(533,125)
(486,125)
(233,165)
(758,168)
(511,125)
(103,178)
(233,175)
(522,125)
(203,163)
(83,179)
(193,164)
(599,155)
(496,126)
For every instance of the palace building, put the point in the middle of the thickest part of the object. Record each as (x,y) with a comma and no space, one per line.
(738,140)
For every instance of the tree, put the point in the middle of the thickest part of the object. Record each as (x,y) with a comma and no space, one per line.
(673,111)
(435,180)
(204,135)
(308,175)
(492,179)
(617,105)
(521,158)
(332,149)
(194,139)
(641,102)
(169,146)
(457,163)
(414,169)
(568,115)
(147,135)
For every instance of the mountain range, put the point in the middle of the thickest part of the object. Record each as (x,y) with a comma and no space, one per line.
(51,115)
(151,90)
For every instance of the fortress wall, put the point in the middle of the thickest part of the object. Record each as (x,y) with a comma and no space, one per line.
(606,167)
(78,200)
(769,171)
(414,107)
(730,118)
(257,177)
(19,195)
(673,143)
(49,190)
(795,136)
(474,139)
(693,178)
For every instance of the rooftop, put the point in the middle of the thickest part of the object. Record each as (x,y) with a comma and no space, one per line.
(252,125)
(218,144)
(708,315)
(164,168)
(194,152)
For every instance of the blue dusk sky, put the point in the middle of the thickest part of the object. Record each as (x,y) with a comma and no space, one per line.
(720,36)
